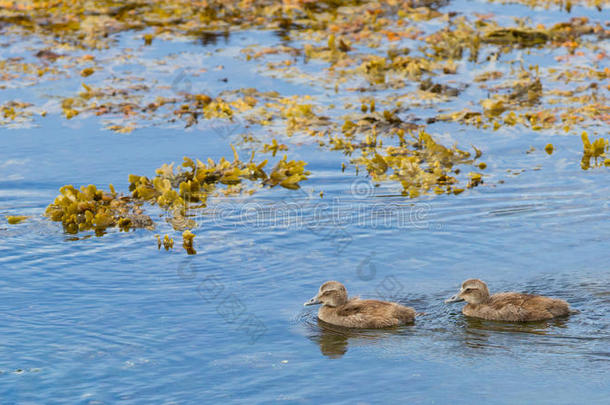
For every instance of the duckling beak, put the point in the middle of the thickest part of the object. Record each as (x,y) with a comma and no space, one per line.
(455,298)
(313,301)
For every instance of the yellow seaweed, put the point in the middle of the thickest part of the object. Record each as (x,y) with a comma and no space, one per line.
(16,219)
(593,150)
(187,242)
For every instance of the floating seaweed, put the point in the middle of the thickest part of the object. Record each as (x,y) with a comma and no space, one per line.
(16,219)
(89,208)
(166,242)
(187,242)
(420,165)
(175,190)
(523,37)
(566,4)
(192,183)
(593,150)
(274,147)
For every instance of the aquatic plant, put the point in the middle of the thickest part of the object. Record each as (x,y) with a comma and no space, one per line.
(420,165)
(174,190)
(16,219)
(89,208)
(595,150)
(187,242)
(274,147)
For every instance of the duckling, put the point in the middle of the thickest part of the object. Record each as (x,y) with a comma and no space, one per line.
(509,306)
(337,309)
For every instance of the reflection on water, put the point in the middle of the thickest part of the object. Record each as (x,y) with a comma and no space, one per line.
(334,340)
(211,38)
(479,333)
(537,328)
(332,343)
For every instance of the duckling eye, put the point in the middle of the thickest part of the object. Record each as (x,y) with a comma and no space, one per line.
(468,290)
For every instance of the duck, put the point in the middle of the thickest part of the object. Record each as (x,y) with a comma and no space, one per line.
(338,309)
(508,306)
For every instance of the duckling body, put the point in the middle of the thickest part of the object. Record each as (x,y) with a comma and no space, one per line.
(357,313)
(510,306)
(337,309)
(516,307)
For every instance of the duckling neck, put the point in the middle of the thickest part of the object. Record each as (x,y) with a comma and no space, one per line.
(485,301)
(327,313)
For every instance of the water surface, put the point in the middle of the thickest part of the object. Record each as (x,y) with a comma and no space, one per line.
(114,320)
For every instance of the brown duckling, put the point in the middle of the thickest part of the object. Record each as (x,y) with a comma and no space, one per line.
(510,306)
(339,310)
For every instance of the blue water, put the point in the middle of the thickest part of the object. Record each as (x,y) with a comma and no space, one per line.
(101,320)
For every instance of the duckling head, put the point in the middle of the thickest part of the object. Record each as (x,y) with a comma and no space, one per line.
(331,293)
(473,291)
